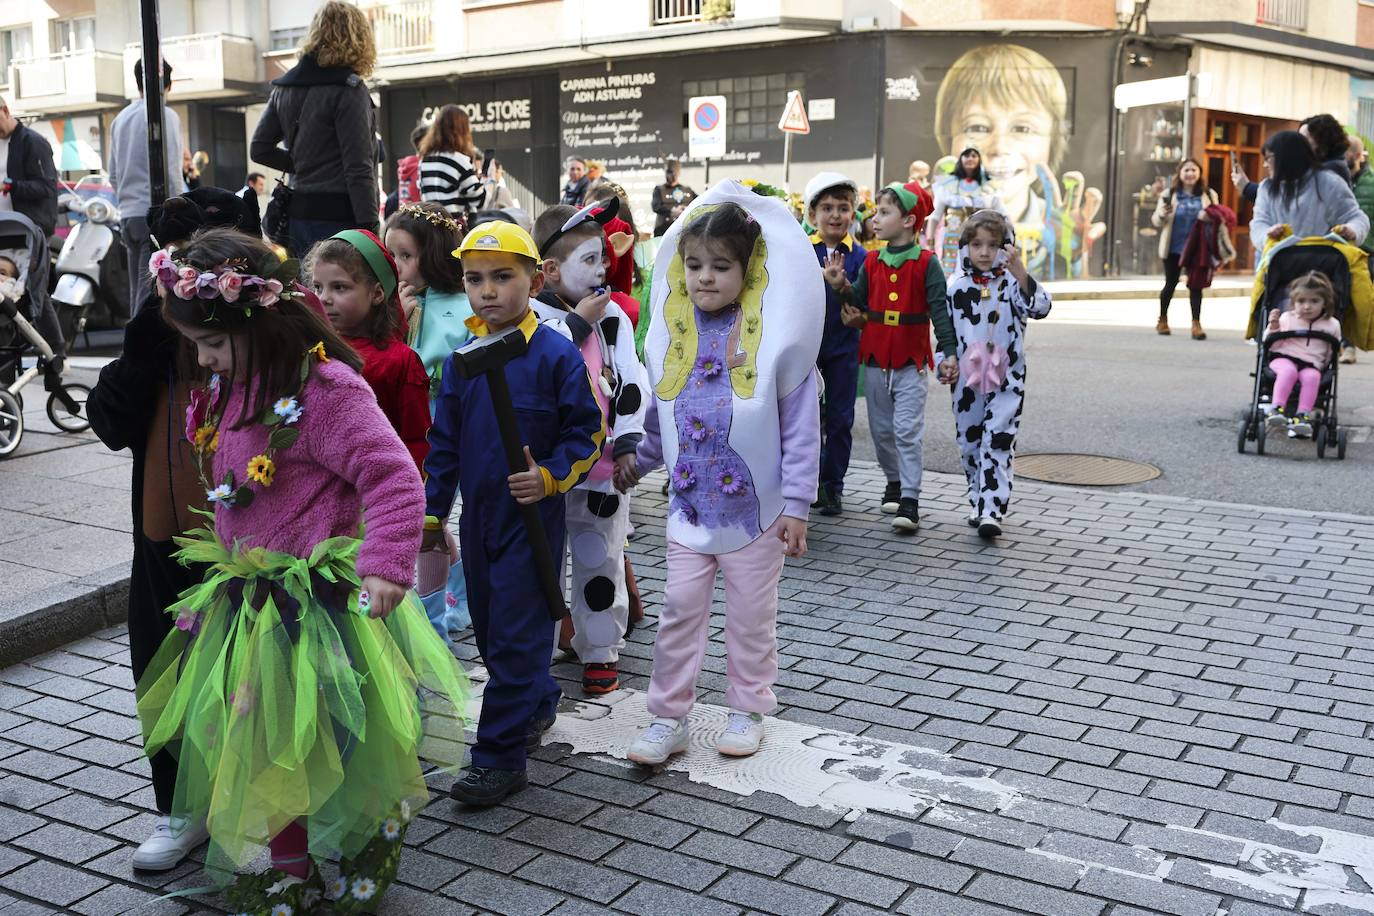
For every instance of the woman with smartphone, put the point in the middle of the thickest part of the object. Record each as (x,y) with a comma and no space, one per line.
(1179,207)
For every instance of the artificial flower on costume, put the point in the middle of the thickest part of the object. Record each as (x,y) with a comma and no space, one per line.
(282,909)
(684,478)
(197,412)
(391,828)
(337,888)
(261,469)
(730,481)
(288,409)
(205,438)
(364,888)
(189,623)
(318,352)
(697,430)
(222,495)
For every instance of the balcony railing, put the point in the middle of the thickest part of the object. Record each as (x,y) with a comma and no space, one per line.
(206,65)
(667,12)
(69,81)
(1286,14)
(402,28)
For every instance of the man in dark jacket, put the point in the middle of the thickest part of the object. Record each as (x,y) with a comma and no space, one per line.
(30,177)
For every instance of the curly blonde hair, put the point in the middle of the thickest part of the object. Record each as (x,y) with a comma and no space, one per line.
(341,36)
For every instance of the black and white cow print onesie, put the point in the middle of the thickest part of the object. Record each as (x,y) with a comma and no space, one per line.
(990,312)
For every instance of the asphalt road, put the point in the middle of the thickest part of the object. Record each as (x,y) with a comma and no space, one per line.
(1102,382)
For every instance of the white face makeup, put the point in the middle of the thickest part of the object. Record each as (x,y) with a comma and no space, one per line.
(582,271)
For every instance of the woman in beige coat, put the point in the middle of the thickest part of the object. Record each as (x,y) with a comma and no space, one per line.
(1177,210)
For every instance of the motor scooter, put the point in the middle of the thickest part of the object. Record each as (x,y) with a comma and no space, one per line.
(92,285)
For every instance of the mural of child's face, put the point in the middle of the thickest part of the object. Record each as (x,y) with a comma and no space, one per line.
(1013,142)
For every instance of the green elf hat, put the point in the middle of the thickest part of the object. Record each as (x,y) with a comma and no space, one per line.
(378,259)
(914,199)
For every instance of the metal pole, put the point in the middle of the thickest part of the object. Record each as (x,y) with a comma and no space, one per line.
(153,103)
(708,172)
(787,162)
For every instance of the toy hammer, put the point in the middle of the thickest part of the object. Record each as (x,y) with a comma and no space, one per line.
(488,356)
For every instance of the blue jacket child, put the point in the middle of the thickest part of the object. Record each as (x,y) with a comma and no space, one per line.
(561,424)
(830,209)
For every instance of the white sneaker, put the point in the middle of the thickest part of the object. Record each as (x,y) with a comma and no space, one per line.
(742,736)
(172,840)
(661,740)
(989,528)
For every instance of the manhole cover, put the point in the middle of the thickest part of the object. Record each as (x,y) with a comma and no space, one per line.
(1084,470)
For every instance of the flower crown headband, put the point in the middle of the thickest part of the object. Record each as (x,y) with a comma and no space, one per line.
(433,217)
(230,281)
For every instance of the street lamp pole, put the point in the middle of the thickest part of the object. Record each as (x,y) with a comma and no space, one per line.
(153,102)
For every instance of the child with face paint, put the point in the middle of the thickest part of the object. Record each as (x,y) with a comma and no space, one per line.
(355,278)
(573,245)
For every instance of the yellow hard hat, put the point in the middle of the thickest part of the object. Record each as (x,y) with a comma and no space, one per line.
(499,236)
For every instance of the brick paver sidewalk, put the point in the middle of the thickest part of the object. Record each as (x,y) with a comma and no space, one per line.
(1129,705)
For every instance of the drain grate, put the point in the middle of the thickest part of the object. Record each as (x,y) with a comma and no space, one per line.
(1084,470)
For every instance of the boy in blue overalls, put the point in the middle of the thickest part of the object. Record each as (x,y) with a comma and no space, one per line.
(830,209)
(561,425)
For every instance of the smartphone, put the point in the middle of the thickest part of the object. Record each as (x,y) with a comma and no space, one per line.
(487,155)
(1234,164)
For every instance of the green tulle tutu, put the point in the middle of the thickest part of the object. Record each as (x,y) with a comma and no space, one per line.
(283,702)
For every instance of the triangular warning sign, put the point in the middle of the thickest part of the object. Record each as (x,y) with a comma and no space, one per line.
(794,115)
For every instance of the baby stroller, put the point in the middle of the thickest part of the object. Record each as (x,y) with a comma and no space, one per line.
(1327,256)
(21,299)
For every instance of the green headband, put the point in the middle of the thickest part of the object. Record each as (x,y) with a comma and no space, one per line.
(374,254)
(908,199)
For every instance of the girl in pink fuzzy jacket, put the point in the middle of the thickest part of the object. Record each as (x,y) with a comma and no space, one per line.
(293,678)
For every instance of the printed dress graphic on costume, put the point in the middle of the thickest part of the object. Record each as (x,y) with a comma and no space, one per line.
(711,483)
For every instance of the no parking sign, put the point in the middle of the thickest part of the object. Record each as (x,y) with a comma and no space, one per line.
(706,127)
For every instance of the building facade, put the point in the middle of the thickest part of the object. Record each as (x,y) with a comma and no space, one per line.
(1037,87)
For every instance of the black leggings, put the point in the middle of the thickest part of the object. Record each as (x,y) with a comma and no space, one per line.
(1171,273)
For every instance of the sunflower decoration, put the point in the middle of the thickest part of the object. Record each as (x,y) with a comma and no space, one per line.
(261,469)
(317,351)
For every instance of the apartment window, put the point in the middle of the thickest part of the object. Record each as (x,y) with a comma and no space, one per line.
(73,34)
(287,39)
(1288,14)
(15,44)
(1364,117)
(753,104)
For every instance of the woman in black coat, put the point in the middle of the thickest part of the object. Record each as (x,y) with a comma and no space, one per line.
(322,111)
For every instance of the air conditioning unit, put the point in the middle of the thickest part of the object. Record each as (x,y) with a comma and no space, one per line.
(864,24)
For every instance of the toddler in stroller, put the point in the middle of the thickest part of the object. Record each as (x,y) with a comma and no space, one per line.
(24,298)
(1301,360)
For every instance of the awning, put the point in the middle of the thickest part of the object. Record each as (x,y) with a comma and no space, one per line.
(1268,87)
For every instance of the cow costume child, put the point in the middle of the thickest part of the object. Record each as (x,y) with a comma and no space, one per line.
(990,299)
(738,311)
(302,676)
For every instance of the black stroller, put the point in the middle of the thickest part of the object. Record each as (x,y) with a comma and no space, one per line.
(24,354)
(1286,265)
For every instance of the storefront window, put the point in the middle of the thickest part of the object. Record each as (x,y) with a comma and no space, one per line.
(754,103)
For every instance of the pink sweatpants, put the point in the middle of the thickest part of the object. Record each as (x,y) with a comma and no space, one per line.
(751,614)
(1286,375)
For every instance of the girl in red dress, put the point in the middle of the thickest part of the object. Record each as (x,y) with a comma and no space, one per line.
(355,278)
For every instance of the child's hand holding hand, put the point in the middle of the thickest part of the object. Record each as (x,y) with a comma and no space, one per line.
(792,533)
(1273,319)
(528,486)
(1278,231)
(593,308)
(834,270)
(948,371)
(852,317)
(626,474)
(382,596)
